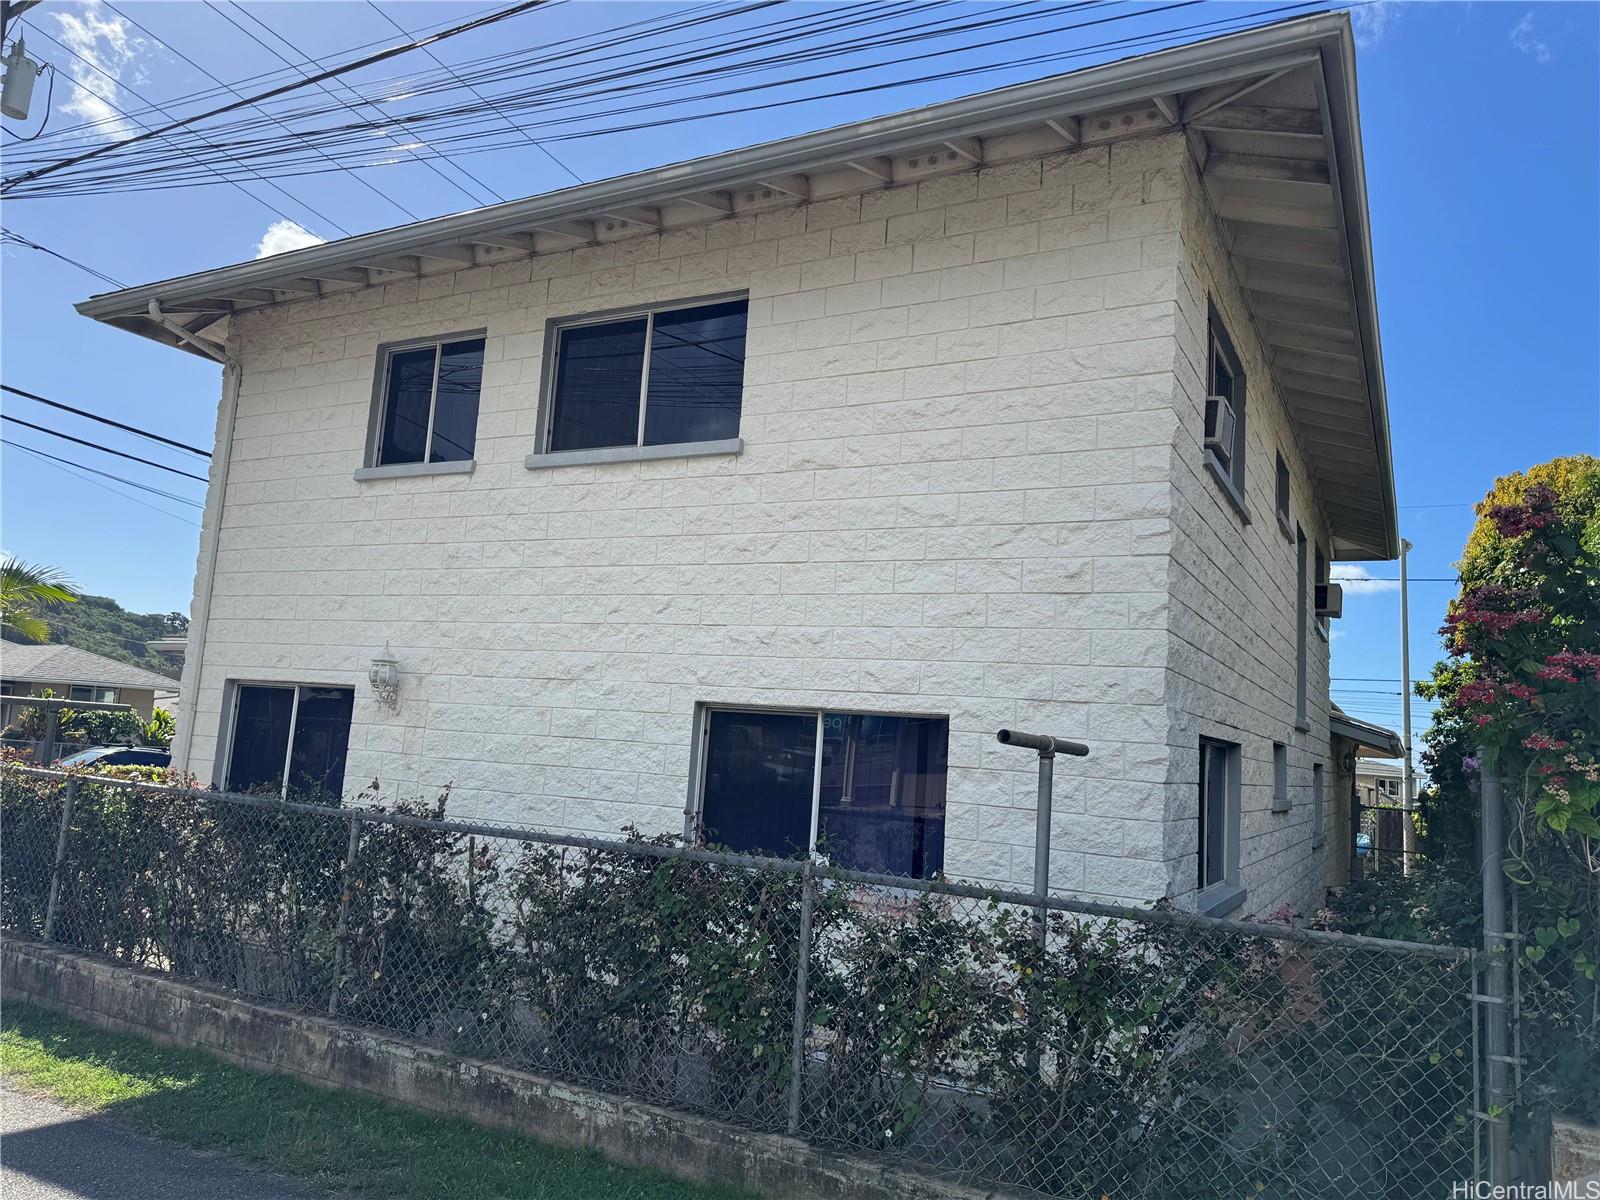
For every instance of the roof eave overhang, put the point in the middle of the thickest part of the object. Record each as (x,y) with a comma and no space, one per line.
(176,312)
(1366,736)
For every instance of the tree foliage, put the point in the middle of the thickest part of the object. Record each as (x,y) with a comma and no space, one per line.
(1522,682)
(102,626)
(27,594)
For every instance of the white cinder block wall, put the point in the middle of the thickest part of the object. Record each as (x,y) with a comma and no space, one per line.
(961,458)
(1233,626)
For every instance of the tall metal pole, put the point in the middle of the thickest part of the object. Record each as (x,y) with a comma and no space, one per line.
(1408,829)
(1497,945)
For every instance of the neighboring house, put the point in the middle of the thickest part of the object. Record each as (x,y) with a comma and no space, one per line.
(69,673)
(172,648)
(752,495)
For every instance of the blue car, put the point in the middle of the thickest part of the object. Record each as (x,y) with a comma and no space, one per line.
(118,756)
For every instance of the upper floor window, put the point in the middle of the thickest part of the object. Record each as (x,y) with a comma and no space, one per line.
(429,401)
(1301,615)
(1225,410)
(866,789)
(654,377)
(1320,580)
(1285,521)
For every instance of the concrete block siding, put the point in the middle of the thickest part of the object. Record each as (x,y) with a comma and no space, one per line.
(1233,674)
(967,487)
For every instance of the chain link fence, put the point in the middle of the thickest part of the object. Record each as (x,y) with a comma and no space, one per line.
(1057,1048)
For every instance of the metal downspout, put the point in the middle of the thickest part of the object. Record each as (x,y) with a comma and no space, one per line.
(210,534)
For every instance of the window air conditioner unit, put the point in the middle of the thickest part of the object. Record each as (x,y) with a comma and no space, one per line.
(1219,426)
(1330,600)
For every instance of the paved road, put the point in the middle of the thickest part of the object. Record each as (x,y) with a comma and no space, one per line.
(52,1153)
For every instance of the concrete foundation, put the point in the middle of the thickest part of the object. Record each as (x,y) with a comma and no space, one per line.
(326,1053)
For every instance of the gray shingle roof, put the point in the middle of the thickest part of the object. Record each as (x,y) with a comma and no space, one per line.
(50,663)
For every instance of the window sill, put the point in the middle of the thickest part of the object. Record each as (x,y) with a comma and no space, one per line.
(1281,805)
(415,470)
(1286,526)
(1302,725)
(1219,899)
(1322,629)
(1230,489)
(626,454)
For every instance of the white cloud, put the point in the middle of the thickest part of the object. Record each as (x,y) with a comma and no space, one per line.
(283,236)
(1372,20)
(1356,582)
(105,47)
(1525,39)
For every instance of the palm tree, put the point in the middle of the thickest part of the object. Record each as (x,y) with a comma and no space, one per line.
(27,591)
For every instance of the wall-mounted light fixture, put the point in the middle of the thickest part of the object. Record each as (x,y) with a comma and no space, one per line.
(384,675)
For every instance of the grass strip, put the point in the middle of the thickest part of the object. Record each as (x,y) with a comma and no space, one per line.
(339,1141)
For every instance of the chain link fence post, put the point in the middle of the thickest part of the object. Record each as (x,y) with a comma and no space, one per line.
(802,979)
(342,932)
(61,855)
(1497,946)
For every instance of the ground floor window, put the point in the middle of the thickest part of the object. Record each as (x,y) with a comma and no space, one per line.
(865,789)
(289,737)
(93,695)
(1219,812)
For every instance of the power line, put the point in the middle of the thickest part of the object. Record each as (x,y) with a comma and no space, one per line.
(143,487)
(534,142)
(144,433)
(368,60)
(67,437)
(73,470)
(284,126)
(117,83)
(322,87)
(555,92)
(10,238)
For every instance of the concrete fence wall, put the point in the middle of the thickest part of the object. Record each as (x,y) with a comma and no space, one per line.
(327,1053)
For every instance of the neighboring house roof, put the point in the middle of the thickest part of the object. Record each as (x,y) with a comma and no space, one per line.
(1377,769)
(52,663)
(1270,115)
(1383,742)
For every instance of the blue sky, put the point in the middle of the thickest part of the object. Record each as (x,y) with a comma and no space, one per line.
(1482,167)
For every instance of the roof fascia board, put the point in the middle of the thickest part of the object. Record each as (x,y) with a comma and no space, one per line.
(1337,86)
(1183,68)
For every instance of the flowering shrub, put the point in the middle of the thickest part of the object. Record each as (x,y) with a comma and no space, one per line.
(1523,680)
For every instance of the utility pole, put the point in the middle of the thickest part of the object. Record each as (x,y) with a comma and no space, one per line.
(1408,787)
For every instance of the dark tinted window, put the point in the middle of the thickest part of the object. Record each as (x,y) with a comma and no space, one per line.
(758,781)
(321,738)
(881,804)
(260,737)
(455,412)
(1213,813)
(1221,377)
(696,374)
(599,371)
(406,404)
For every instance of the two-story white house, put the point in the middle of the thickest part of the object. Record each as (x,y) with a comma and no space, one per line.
(752,495)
